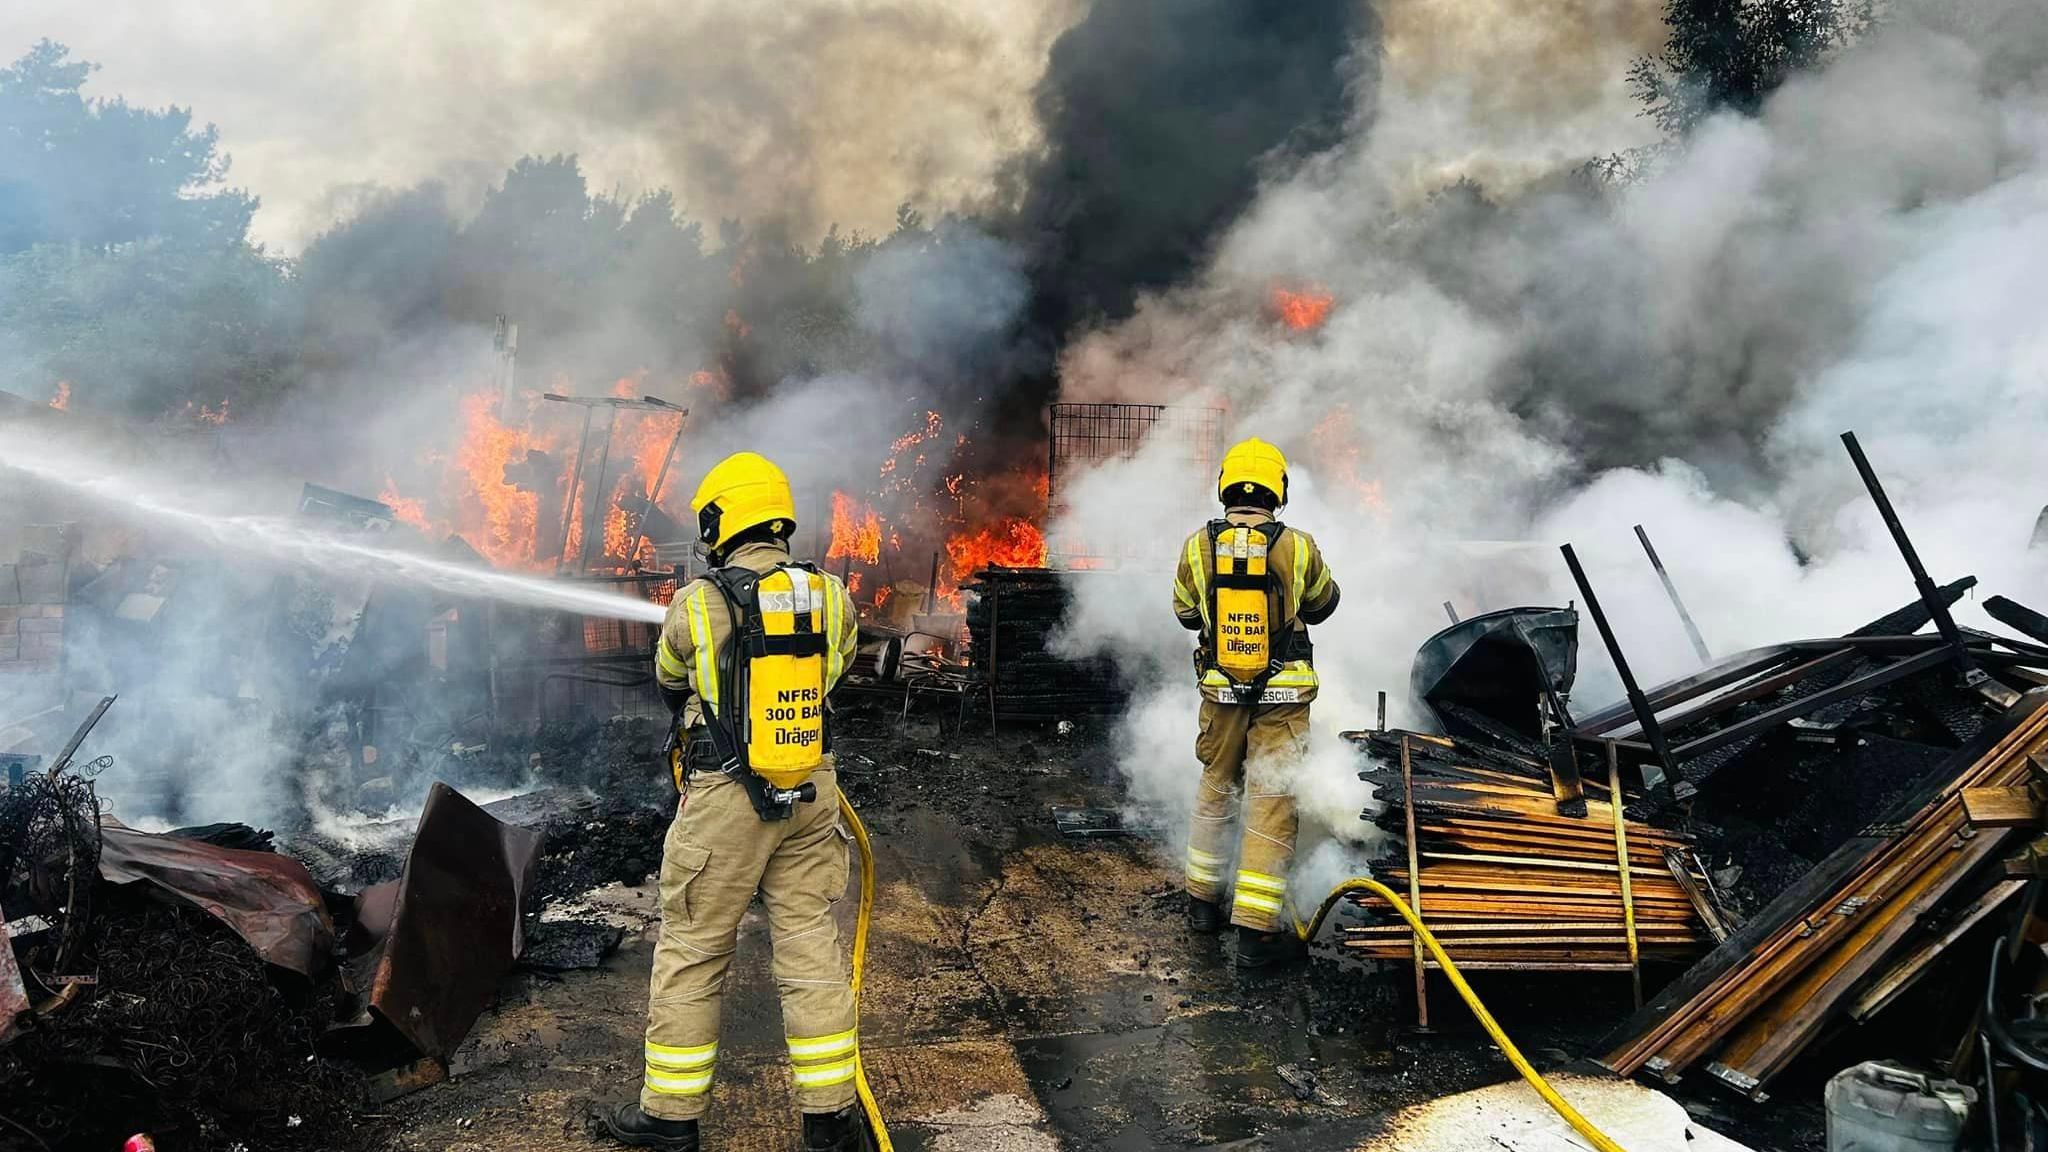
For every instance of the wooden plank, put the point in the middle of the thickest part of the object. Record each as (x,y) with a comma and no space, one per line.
(1807,941)
(1907,970)
(1813,1000)
(1702,906)
(1415,890)
(1681,1005)
(2006,807)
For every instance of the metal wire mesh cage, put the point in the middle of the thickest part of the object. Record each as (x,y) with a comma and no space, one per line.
(1087,435)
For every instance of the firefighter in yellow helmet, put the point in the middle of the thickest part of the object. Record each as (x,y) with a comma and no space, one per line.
(746,658)
(1250,587)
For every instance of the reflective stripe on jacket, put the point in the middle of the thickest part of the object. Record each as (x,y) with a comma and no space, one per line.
(694,638)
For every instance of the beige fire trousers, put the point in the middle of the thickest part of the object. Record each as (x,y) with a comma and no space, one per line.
(1251,751)
(718,853)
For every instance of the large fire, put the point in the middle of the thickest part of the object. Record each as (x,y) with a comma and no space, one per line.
(1303,311)
(498,518)
(505,485)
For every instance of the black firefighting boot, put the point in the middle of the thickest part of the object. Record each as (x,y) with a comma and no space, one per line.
(843,1131)
(629,1125)
(1257,949)
(1204,916)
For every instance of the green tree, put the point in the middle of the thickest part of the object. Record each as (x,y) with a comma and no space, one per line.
(1732,54)
(97,173)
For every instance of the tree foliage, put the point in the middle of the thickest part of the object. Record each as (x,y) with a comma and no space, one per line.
(98,173)
(1731,54)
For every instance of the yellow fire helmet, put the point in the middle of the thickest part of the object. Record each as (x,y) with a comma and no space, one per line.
(740,492)
(1252,463)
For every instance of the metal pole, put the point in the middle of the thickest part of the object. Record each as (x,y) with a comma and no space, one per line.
(1451,612)
(1653,774)
(1383,712)
(660,478)
(593,521)
(575,486)
(994,622)
(1628,900)
(1414,888)
(1692,631)
(1929,594)
(931,590)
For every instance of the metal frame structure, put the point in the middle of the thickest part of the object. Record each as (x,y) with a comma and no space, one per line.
(1748,677)
(1085,435)
(594,514)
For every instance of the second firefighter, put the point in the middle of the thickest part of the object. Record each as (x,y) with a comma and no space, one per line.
(1250,586)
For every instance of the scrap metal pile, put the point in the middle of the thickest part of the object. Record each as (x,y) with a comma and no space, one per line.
(201,987)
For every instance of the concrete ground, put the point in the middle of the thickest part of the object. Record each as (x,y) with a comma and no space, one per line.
(1025,992)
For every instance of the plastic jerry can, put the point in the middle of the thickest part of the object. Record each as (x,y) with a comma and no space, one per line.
(1879,1107)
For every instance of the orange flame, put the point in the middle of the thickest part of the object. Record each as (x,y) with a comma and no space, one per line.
(1008,542)
(508,516)
(62,400)
(1334,443)
(205,415)
(404,509)
(856,531)
(1302,311)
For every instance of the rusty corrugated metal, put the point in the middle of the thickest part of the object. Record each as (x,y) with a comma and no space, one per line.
(269,900)
(453,924)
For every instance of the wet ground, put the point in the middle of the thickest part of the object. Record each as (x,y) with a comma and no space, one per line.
(1025,991)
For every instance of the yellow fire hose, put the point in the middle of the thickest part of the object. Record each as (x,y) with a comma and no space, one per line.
(860,955)
(1599,1140)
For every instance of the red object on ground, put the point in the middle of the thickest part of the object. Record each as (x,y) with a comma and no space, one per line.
(140,1142)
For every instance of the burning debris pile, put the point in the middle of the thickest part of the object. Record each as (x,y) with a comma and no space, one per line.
(1834,834)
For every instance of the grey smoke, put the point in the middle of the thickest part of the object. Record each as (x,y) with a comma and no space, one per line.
(1527,354)
(818,111)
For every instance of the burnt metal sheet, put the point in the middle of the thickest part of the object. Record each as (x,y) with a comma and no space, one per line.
(269,900)
(452,929)
(1500,664)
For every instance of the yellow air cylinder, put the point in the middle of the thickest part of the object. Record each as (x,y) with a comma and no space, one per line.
(1243,632)
(786,693)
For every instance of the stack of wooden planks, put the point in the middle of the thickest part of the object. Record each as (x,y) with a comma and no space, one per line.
(1506,882)
(1841,940)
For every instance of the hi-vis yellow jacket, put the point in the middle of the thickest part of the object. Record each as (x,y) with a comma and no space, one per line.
(698,630)
(1303,593)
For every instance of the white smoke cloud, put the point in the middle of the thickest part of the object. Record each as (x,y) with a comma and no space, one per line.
(1529,357)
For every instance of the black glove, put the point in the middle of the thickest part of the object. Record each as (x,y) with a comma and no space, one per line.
(675,698)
